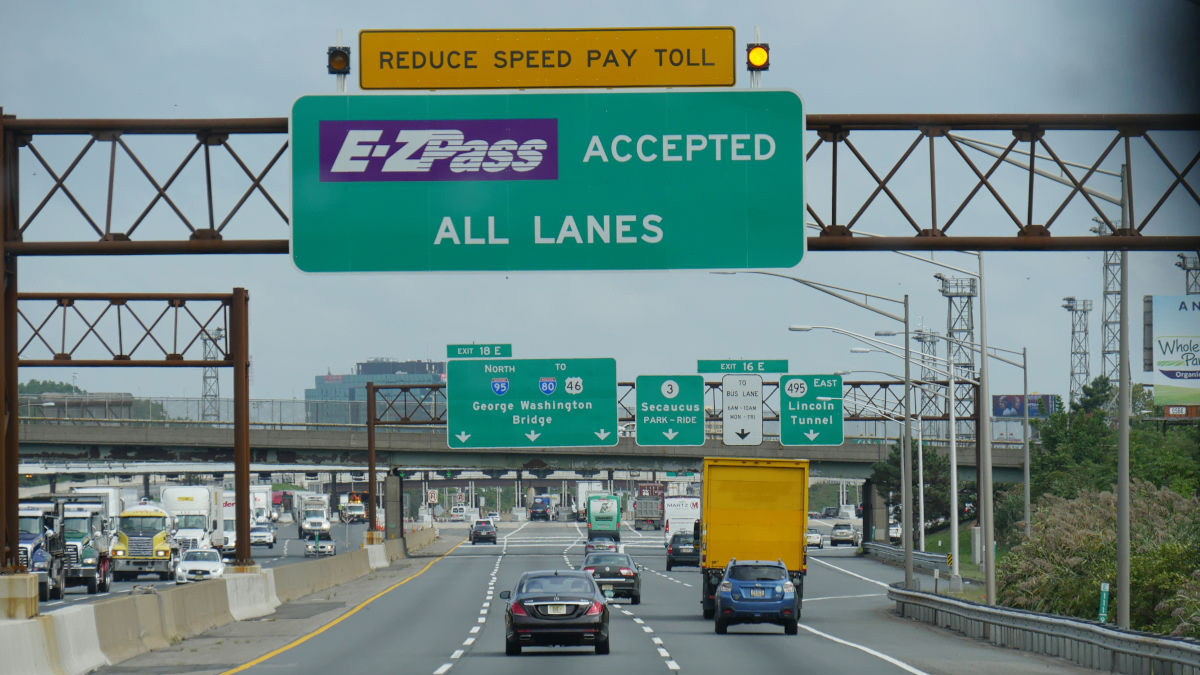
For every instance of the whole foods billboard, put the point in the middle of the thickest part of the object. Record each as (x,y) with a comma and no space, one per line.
(1176,350)
(547,181)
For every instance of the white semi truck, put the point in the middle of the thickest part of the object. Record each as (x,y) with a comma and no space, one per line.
(315,509)
(260,504)
(198,514)
(229,520)
(583,490)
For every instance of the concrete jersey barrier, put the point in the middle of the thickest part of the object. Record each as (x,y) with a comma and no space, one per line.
(81,638)
(77,640)
(129,625)
(191,609)
(251,595)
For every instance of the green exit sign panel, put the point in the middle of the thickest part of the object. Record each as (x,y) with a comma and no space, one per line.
(548,181)
(670,410)
(805,419)
(742,366)
(474,351)
(531,403)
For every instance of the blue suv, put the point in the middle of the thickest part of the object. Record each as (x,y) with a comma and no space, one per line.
(756,591)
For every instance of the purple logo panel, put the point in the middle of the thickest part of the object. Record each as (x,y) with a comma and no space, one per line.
(436,150)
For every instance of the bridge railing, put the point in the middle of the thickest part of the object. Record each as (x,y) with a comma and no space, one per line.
(1087,643)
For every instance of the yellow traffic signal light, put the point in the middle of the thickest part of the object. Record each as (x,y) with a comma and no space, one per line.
(338,60)
(758,56)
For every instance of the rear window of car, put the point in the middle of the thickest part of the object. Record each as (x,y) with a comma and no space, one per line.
(681,539)
(841,526)
(557,584)
(608,559)
(757,573)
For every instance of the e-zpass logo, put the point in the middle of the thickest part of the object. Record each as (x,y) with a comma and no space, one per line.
(438,150)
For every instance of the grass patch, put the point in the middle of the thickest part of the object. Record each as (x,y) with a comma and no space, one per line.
(939,542)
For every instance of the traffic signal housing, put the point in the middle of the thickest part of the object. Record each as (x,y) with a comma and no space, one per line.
(338,60)
(758,56)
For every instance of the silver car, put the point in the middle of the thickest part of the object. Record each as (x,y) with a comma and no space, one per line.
(843,533)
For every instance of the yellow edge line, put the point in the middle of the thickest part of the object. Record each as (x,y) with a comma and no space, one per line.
(305,638)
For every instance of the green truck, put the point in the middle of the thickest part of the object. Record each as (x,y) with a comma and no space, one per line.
(604,516)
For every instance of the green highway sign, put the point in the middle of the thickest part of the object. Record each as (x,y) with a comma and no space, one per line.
(742,366)
(474,351)
(670,410)
(804,419)
(531,403)
(548,181)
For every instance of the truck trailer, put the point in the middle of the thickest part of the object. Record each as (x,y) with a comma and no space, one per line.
(752,509)
(198,514)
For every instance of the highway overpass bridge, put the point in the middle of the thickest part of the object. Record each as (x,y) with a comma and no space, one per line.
(109,446)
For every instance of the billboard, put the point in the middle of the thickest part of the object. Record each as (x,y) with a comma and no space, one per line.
(1013,405)
(1176,350)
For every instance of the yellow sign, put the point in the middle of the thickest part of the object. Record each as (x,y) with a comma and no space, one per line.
(537,58)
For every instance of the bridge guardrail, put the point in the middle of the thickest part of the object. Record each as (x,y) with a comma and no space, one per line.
(1086,643)
(926,561)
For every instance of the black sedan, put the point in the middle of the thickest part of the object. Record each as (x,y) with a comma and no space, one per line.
(616,572)
(483,530)
(682,551)
(555,607)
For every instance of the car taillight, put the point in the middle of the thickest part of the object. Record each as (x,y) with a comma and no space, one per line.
(590,569)
(596,608)
(626,572)
(518,610)
(669,548)
(726,587)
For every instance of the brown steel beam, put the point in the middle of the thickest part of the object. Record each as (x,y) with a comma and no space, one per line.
(815,243)
(813,122)
(1014,243)
(1001,122)
(240,349)
(9,441)
(186,247)
(244,125)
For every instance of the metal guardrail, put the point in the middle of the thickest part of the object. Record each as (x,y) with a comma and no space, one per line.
(1086,643)
(925,561)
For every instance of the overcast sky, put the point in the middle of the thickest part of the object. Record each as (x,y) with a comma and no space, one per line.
(253,59)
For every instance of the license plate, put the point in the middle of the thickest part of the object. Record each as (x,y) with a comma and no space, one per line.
(758,593)
(606,587)
(556,609)
(686,549)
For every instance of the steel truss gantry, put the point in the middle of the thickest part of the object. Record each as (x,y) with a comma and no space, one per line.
(75,157)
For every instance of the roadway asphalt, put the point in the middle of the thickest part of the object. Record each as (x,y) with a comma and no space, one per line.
(287,549)
(441,621)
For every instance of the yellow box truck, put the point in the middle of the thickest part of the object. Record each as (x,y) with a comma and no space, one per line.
(752,509)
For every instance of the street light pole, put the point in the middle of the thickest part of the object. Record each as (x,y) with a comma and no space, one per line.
(906,459)
(985,445)
(1025,436)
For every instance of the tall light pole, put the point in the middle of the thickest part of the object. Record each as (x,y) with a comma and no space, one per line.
(955,576)
(905,442)
(845,294)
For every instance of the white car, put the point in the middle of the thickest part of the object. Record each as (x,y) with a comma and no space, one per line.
(894,533)
(813,538)
(323,546)
(261,535)
(493,516)
(199,564)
